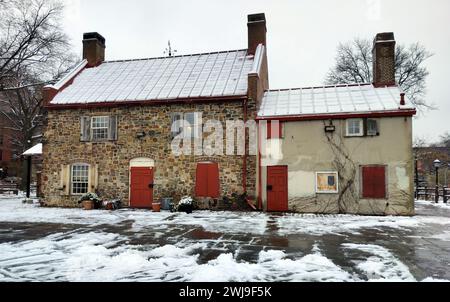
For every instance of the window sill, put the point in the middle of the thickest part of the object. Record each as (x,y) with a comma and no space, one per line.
(354,135)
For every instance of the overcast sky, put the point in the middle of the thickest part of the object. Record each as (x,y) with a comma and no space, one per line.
(302,35)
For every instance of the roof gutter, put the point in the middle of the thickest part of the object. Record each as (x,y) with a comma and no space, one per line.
(311,117)
(237,98)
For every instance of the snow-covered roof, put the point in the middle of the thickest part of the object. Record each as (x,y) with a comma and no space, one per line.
(36,150)
(331,100)
(190,76)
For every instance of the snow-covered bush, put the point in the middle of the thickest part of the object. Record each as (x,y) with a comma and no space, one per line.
(186,204)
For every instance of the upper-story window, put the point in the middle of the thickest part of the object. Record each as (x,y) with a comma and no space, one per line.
(275,129)
(362,127)
(98,128)
(372,127)
(355,127)
(1,139)
(190,121)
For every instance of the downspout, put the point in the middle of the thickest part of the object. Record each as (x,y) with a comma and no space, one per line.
(244,161)
(259,169)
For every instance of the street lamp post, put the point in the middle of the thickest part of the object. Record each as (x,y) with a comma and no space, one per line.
(437,164)
(416,178)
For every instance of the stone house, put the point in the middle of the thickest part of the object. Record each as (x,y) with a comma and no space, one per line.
(335,149)
(339,149)
(110,123)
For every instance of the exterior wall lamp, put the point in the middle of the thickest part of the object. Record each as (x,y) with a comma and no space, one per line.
(330,128)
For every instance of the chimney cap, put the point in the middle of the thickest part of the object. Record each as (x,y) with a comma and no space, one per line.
(94,35)
(261,17)
(386,36)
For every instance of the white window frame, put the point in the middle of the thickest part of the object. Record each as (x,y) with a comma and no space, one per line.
(336,178)
(361,127)
(96,128)
(72,187)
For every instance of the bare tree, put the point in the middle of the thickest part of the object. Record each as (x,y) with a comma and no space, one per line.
(33,52)
(420,142)
(33,46)
(445,139)
(354,65)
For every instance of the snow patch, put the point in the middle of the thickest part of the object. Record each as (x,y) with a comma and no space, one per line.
(381,265)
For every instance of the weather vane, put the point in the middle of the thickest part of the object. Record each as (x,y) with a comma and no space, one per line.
(169,51)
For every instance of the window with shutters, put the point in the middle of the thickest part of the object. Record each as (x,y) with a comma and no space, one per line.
(274,129)
(99,127)
(207,180)
(373,179)
(79,179)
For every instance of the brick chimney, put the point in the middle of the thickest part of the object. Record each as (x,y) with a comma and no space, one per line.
(256,31)
(384,59)
(93,48)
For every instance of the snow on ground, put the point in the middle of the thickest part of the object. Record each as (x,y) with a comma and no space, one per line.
(11,209)
(98,257)
(441,204)
(89,255)
(380,264)
(338,224)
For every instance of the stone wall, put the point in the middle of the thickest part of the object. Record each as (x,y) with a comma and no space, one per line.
(172,175)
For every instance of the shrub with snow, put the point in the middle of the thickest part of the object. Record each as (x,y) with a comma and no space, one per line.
(186,204)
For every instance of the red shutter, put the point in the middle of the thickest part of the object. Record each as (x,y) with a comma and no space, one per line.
(275,135)
(207,180)
(374,182)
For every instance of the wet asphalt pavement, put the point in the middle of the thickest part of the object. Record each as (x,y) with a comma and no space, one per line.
(423,255)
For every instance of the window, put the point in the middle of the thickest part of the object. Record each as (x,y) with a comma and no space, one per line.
(355,127)
(373,182)
(327,182)
(99,128)
(192,122)
(272,129)
(207,180)
(1,155)
(176,127)
(80,179)
(1,139)
(193,127)
(372,127)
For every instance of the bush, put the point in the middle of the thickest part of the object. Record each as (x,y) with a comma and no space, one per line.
(186,204)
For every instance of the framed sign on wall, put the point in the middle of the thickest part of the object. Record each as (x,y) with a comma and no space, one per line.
(327,182)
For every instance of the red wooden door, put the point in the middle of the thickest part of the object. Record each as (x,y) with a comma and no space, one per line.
(141,187)
(277,189)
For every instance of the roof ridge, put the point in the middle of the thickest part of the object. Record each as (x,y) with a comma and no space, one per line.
(325,86)
(178,56)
